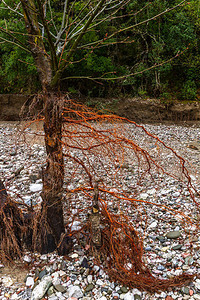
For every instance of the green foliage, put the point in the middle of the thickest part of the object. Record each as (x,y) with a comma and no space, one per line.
(189,90)
(17,68)
(155,42)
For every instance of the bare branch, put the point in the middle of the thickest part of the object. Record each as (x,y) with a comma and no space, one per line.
(49,4)
(124,76)
(18,45)
(12,9)
(135,25)
(23,46)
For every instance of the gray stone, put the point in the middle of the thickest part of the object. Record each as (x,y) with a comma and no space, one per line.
(161,238)
(42,273)
(89,288)
(177,247)
(75,291)
(161,268)
(189,260)
(185,290)
(60,288)
(124,289)
(41,289)
(50,291)
(173,234)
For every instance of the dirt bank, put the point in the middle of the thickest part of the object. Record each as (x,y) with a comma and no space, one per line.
(136,109)
(155,110)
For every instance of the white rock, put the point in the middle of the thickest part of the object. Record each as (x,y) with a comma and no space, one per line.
(96,268)
(152,191)
(153,225)
(75,291)
(99,282)
(43,257)
(61,273)
(41,288)
(35,187)
(197,284)
(129,296)
(193,177)
(7,281)
(136,291)
(89,278)
(144,196)
(27,258)
(14,296)
(75,226)
(74,255)
(30,282)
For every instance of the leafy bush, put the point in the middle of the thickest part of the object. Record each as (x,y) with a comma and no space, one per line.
(189,90)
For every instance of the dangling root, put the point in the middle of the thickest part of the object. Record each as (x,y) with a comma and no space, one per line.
(12,230)
(122,252)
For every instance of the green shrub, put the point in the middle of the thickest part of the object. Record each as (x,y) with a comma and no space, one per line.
(189,90)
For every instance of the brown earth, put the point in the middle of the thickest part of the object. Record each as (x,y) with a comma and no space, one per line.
(136,109)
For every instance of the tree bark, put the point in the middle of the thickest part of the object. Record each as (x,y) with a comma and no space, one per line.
(51,225)
(53,173)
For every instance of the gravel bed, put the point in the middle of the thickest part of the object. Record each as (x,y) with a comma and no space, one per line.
(171,245)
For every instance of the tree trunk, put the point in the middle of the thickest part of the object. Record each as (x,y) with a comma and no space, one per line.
(53,173)
(50,229)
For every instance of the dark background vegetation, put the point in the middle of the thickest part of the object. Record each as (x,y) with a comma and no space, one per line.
(176,32)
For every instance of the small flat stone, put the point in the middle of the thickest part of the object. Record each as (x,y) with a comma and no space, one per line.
(29,281)
(185,290)
(161,239)
(191,292)
(124,289)
(161,268)
(148,248)
(173,234)
(153,224)
(99,282)
(164,249)
(50,291)
(177,247)
(60,288)
(89,279)
(42,273)
(89,288)
(189,260)
(84,263)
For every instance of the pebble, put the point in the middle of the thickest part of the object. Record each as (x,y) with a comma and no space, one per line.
(177,247)
(75,291)
(173,234)
(30,282)
(89,287)
(129,296)
(40,290)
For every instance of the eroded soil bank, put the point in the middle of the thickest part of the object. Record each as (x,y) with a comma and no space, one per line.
(136,109)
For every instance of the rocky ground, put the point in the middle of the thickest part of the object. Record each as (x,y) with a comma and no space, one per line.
(172,245)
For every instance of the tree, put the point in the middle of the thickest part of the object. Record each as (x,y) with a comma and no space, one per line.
(53,44)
